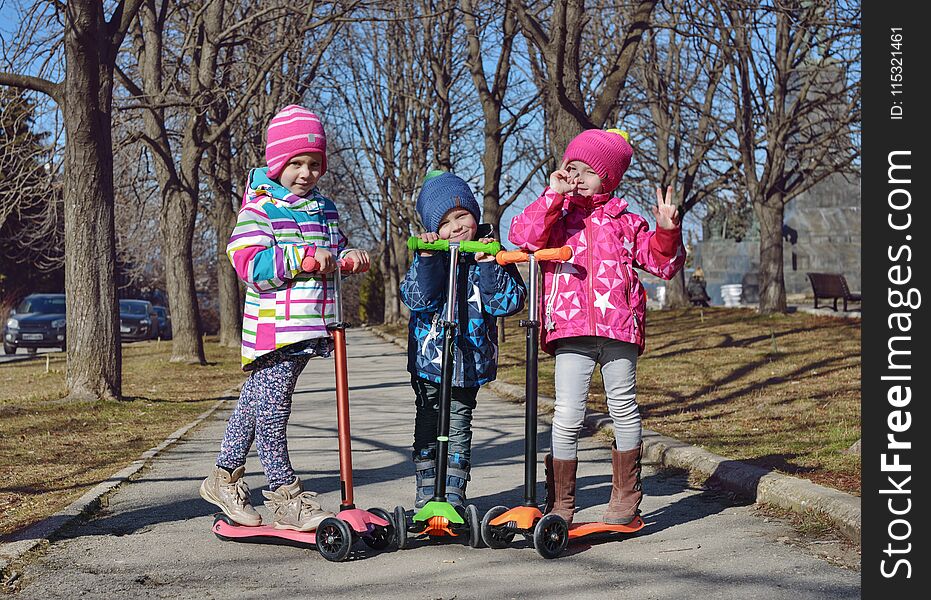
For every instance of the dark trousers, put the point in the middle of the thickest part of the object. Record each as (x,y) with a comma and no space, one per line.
(427,399)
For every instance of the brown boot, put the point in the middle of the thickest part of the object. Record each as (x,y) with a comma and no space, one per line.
(626,492)
(560,486)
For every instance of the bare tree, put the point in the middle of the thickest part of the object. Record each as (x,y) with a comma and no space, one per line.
(580,86)
(493,97)
(683,128)
(85,95)
(390,123)
(31,203)
(189,81)
(793,76)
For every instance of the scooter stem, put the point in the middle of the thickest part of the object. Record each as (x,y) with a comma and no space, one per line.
(446,381)
(338,329)
(532,324)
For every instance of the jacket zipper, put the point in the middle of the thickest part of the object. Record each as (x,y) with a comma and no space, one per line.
(550,325)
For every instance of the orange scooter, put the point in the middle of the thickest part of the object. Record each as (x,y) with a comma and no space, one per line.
(549,533)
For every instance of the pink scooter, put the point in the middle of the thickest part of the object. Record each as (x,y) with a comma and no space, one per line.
(334,536)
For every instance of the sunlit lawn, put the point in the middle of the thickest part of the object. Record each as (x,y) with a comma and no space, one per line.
(782,391)
(53,452)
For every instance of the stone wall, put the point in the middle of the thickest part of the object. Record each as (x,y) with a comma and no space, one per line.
(822,234)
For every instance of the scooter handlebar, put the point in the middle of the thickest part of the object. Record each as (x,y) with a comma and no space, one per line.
(346,265)
(516,256)
(414,243)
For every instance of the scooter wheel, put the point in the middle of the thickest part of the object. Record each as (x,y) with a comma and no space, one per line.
(474,521)
(218,518)
(382,536)
(334,539)
(493,535)
(551,536)
(222,517)
(400,527)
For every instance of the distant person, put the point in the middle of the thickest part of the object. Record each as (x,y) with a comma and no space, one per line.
(283,219)
(595,305)
(698,295)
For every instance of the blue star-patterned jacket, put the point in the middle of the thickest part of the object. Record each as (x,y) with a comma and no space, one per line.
(486,291)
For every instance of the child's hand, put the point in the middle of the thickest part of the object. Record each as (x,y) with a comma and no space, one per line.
(428,237)
(562,182)
(483,256)
(360,260)
(665,212)
(327,264)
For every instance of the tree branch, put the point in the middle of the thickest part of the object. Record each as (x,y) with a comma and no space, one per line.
(38,84)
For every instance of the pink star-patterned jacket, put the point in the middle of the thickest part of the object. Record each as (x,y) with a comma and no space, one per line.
(597,292)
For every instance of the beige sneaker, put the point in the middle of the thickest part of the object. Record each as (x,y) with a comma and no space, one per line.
(294,509)
(231,494)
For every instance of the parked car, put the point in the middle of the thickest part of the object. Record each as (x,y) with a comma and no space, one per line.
(37,322)
(138,320)
(164,322)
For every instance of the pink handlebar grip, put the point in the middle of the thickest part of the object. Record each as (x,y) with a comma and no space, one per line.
(310,265)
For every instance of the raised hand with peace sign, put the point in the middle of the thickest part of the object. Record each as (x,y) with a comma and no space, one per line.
(665,212)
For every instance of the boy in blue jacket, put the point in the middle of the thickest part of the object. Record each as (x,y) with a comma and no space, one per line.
(486,291)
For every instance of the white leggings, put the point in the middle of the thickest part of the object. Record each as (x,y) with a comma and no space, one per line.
(575,362)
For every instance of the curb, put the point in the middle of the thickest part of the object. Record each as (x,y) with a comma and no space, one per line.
(38,534)
(760,485)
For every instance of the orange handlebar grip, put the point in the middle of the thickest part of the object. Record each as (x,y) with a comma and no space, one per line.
(511,256)
(564,253)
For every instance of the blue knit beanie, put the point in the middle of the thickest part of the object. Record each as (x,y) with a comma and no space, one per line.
(442,192)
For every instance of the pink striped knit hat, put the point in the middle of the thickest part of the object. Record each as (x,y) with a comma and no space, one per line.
(607,152)
(294,130)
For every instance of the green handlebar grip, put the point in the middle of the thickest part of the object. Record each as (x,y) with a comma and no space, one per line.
(415,243)
(489,248)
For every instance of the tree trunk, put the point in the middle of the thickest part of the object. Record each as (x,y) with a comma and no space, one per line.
(491,165)
(394,264)
(224,221)
(676,294)
(772,280)
(563,126)
(177,228)
(228,285)
(94,354)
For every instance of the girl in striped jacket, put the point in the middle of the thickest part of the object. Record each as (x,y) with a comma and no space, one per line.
(283,219)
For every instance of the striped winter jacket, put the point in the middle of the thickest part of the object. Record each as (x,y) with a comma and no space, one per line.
(274,229)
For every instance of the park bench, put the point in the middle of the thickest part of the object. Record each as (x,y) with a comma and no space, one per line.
(832,286)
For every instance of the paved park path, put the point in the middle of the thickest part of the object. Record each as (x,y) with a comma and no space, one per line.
(153,540)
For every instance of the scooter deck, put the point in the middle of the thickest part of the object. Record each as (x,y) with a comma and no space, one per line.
(578,530)
(360,521)
(263,534)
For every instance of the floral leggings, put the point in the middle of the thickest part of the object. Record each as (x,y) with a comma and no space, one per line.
(262,415)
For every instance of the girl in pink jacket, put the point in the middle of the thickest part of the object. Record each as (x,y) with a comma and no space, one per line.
(594,305)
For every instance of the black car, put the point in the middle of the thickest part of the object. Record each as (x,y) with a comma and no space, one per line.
(138,320)
(164,322)
(38,322)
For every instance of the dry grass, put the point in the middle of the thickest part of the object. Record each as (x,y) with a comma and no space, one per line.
(53,452)
(782,392)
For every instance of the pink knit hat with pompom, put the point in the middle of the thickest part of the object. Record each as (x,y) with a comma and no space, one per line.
(608,153)
(294,130)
